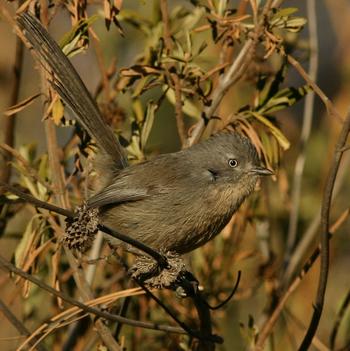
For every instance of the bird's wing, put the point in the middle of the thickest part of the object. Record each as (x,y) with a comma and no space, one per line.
(114,194)
(127,186)
(131,184)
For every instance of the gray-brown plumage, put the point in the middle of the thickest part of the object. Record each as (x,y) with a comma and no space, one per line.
(179,201)
(175,202)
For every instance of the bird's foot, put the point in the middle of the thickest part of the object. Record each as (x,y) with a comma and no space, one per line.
(174,276)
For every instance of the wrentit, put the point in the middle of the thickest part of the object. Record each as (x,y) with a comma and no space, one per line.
(173,203)
(177,202)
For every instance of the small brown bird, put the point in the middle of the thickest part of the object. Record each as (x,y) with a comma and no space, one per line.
(179,201)
(175,202)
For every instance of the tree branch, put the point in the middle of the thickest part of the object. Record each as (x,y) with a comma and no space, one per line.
(18,325)
(266,329)
(232,76)
(331,110)
(325,211)
(5,265)
(173,77)
(305,131)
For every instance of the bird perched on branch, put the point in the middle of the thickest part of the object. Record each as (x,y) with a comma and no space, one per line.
(173,203)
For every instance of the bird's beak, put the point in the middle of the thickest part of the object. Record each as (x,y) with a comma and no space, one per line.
(261,171)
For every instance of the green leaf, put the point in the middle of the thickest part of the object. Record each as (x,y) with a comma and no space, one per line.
(282,140)
(136,20)
(283,98)
(134,147)
(57,111)
(274,105)
(190,20)
(286,12)
(141,84)
(295,24)
(201,48)
(147,127)
(189,41)
(270,87)
(138,110)
(69,40)
(282,19)
(43,166)
(31,186)
(28,152)
(188,107)
(271,147)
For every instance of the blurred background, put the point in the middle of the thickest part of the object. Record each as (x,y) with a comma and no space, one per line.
(256,239)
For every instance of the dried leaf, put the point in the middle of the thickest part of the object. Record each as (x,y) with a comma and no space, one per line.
(139,71)
(107,13)
(21,105)
(26,241)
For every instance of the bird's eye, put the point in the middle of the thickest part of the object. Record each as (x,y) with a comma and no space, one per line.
(233,162)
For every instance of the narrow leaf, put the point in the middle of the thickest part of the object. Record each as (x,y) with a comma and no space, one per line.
(147,127)
(21,105)
(282,140)
(57,111)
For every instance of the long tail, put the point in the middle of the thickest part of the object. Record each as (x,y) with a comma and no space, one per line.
(70,87)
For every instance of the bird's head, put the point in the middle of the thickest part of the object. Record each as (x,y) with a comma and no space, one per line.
(233,160)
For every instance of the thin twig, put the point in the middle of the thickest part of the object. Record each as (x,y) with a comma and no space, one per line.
(305,131)
(94,254)
(107,230)
(230,296)
(220,92)
(331,110)
(61,196)
(34,201)
(266,329)
(178,109)
(29,170)
(232,76)
(161,260)
(203,311)
(340,316)
(316,342)
(277,3)
(109,316)
(101,65)
(173,78)
(72,314)
(18,324)
(122,312)
(310,234)
(205,323)
(325,212)
(10,122)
